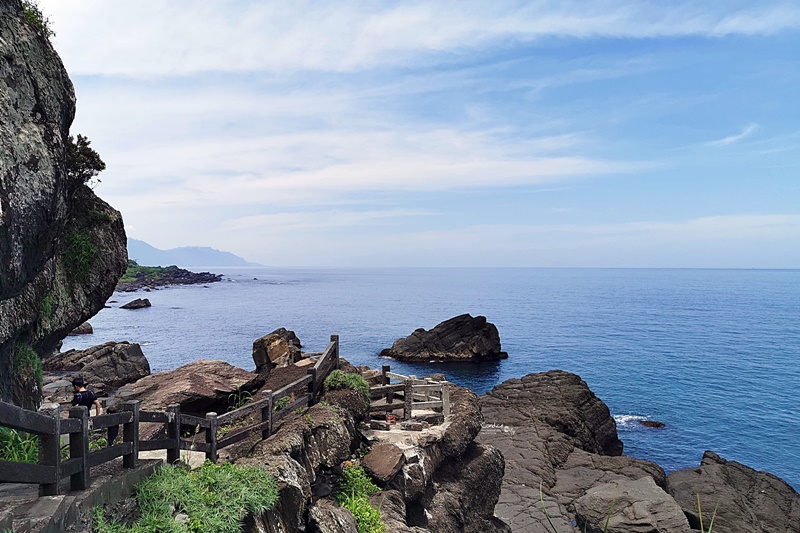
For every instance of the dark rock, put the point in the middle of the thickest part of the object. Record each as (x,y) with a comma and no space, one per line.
(279,348)
(351,400)
(411,426)
(745,499)
(652,423)
(384,461)
(321,490)
(326,518)
(380,425)
(629,506)
(554,432)
(83,329)
(462,338)
(106,366)
(138,303)
(167,276)
(49,217)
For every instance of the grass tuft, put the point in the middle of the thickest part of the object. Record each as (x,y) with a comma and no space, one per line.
(338,380)
(18,446)
(355,488)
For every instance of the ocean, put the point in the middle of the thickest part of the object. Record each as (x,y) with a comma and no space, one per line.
(711,353)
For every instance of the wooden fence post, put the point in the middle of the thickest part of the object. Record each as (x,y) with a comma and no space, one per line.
(445,400)
(385,381)
(408,392)
(266,414)
(79,448)
(174,432)
(211,437)
(50,447)
(130,433)
(335,340)
(312,387)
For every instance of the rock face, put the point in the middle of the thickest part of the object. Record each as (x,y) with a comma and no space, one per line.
(62,249)
(638,506)
(749,500)
(83,329)
(138,303)
(107,366)
(462,338)
(279,348)
(554,433)
(199,387)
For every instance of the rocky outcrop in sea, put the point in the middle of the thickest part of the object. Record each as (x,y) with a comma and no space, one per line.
(461,338)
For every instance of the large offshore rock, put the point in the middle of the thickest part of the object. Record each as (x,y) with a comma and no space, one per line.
(745,499)
(62,249)
(554,433)
(106,366)
(279,348)
(462,338)
(628,506)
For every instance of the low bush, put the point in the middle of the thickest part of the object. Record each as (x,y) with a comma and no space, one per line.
(355,488)
(215,497)
(368,519)
(34,16)
(18,446)
(27,364)
(80,254)
(338,380)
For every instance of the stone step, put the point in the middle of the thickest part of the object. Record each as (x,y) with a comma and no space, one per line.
(45,515)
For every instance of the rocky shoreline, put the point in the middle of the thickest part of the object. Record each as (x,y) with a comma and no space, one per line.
(167,276)
(540,442)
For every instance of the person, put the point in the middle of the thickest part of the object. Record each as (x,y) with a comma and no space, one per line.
(85,397)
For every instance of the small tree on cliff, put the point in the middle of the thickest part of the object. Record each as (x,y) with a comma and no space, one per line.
(35,17)
(83,163)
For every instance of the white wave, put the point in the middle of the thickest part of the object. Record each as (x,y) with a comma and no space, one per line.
(626,421)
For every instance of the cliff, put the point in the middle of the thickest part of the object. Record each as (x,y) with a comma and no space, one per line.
(62,249)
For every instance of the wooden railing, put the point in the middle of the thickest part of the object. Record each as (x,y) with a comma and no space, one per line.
(48,425)
(416,393)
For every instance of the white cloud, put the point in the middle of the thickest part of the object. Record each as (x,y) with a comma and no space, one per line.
(156,37)
(725,141)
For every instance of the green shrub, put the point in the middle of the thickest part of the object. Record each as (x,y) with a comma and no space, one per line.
(338,380)
(214,497)
(48,304)
(18,446)
(281,404)
(27,363)
(34,16)
(80,254)
(368,519)
(83,163)
(355,482)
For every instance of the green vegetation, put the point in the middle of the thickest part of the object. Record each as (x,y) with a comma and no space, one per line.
(214,497)
(83,163)
(355,488)
(28,364)
(240,398)
(136,272)
(309,420)
(281,404)
(338,380)
(35,17)
(48,304)
(80,254)
(18,446)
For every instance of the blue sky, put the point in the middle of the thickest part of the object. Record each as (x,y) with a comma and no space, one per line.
(539,133)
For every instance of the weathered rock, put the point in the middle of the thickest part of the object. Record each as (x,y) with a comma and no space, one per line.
(199,387)
(554,432)
(384,461)
(652,424)
(630,506)
(106,366)
(462,338)
(138,303)
(326,518)
(745,499)
(62,249)
(279,348)
(83,329)
(60,390)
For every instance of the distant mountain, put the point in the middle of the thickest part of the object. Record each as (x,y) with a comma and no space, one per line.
(185,256)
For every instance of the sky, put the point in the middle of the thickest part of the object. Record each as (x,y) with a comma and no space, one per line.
(451,133)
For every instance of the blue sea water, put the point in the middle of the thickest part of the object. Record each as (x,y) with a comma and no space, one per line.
(711,353)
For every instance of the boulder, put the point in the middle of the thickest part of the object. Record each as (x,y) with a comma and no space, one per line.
(106,366)
(199,387)
(629,506)
(555,433)
(462,338)
(327,518)
(83,329)
(652,424)
(745,499)
(279,348)
(138,303)
(384,461)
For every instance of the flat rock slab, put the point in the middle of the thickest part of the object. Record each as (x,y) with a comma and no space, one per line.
(384,461)
(138,303)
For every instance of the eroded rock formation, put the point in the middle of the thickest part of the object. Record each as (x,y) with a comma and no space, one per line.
(279,348)
(461,338)
(62,249)
(106,366)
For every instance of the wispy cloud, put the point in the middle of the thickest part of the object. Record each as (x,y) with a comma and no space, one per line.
(725,141)
(151,38)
